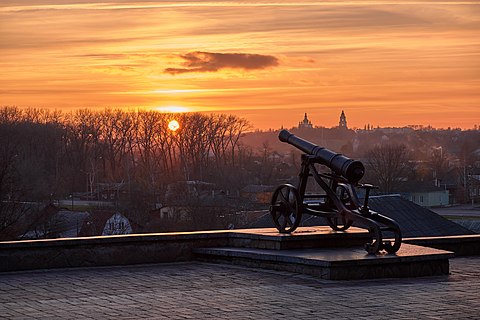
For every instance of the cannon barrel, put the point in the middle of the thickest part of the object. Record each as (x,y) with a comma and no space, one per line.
(352,170)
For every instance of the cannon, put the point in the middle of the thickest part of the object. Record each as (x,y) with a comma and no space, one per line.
(337,201)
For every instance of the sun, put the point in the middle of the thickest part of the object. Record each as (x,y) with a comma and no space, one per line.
(173,125)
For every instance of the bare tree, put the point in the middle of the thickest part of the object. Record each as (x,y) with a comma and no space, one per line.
(193,143)
(439,163)
(236,129)
(148,123)
(11,209)
(116,133)
(218,138)
(388,164)
(166,146)
(82,143)
(10,115)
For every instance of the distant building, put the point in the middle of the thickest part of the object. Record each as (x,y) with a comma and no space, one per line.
(257,193)
(430,198)
(105,223)
(305,123)
(178,191)
(424,194)
(402,130)
(342,124)
(473,187)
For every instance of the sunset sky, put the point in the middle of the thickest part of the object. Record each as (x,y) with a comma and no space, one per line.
(386,63)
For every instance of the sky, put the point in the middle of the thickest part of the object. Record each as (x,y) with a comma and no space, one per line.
(385,63)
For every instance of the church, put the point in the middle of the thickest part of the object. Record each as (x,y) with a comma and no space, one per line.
(307,124)
(342,124)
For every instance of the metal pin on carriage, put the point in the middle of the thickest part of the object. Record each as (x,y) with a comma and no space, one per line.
(339,203)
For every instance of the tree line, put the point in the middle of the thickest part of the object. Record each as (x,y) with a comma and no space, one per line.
(47,155)
(50,153)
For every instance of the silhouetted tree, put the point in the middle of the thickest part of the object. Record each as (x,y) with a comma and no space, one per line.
(388,165)
(11,208)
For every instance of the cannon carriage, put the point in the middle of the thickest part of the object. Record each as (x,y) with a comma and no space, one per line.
(338,203)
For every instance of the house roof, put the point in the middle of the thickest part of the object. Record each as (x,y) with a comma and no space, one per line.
(254,188)
(94,224)
(71,222)
(30,217)
(418,186)
(414,220)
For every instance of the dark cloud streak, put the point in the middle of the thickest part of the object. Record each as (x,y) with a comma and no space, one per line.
(199,61)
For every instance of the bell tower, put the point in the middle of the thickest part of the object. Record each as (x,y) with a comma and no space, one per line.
(305,123)
(342,124)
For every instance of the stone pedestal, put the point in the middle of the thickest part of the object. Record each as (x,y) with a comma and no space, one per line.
(327,254)
(302,238)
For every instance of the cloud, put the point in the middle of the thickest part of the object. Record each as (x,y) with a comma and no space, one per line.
(199,61)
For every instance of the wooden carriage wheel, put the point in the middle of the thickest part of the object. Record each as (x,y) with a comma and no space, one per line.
(286,208)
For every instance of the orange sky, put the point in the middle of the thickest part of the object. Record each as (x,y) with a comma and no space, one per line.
(387,63)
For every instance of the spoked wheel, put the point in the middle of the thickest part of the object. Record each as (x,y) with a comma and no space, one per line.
(286,208)
(339,223)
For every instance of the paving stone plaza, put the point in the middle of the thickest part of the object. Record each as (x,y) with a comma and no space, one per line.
(197,290)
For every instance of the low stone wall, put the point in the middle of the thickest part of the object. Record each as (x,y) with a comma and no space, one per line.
(107,250)
(155,248)
(468,245)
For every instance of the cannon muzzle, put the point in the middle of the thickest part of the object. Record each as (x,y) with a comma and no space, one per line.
(352,170)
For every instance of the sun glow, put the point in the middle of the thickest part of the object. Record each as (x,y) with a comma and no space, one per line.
(172,109)
(415,62)
(173,125)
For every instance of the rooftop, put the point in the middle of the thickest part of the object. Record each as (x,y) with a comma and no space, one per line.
(196,290)
(414,220)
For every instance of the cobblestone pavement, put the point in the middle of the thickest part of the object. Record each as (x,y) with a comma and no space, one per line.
(210,291)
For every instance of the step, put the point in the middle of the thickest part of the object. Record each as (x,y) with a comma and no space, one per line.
(350,263)
(303,237)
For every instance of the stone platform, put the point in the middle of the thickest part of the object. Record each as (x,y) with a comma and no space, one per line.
(302,238)
(327,254)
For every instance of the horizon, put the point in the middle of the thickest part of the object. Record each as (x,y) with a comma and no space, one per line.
(385,63)
(252,129)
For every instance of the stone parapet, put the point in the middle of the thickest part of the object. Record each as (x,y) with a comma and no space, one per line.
(467,245)
(105,250)
(180,246)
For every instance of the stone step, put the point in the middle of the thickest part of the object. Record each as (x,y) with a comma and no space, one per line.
(303,237)
(337,263)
